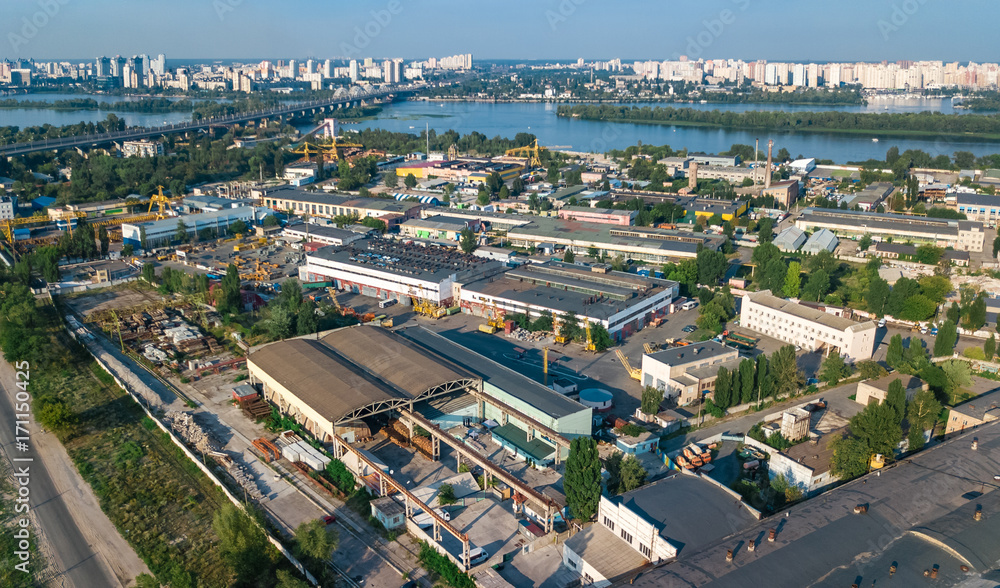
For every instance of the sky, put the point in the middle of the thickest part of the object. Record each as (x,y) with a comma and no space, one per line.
(803,30)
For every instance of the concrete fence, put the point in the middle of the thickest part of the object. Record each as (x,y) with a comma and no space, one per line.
(191,455)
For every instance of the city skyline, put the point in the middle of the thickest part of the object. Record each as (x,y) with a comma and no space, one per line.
(736,29)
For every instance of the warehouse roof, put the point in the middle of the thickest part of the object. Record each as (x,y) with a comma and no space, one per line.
(356,371)
(381,204)
(192,220)
(584,234)
(979,406)
(823,239)
(765,298)
(425,263)
(691,353)
(531,392)
(920,516)
(873,221)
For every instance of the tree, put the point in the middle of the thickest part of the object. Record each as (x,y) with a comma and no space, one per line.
(896,398)
(410,181)
(996,246)
(102,236)
(747,380)
(599,337)
(923,411)
(975,318)
(894,355)
(306,322)
(850,457)
(723,389)
(870,370)
(149,273)
(613,465)
(582,481)
(483,197)
(865,242)
(633,475)
(271,221)
(238,228)
(315,541)
(467,240)
(817,286)
(834,369)
(711,266)
(773,275)
(990,347)
(793,280)
(788,379)
(279,164)
(231,300)
(568,256)
(765,381)
(765,230)
(651,398)
(947,337)
(287,579)
(957,374)
(954,313)
(552,176)
(182,231)
(390,179)
(128,250)
(878,428)
(243,545)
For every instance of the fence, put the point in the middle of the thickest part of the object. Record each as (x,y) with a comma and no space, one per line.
(194,458)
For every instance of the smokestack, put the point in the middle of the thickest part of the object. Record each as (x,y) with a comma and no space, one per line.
(767,172)
(756,161)
(693,175)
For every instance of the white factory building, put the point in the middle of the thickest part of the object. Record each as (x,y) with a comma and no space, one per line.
(806,327)
(391,270)
(163,232)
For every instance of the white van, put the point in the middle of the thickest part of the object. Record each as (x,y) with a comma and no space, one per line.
(689,305)
(386,303)
(424,520)
(477,556)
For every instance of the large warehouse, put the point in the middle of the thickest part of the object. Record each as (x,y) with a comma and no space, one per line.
(163,232)
(623,303)
(389,269)
(807,327)
(958,234)
(323,205)
(350,374)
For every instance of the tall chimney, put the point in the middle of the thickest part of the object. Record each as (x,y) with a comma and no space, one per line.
(767,172)
(756,160)
(693,175)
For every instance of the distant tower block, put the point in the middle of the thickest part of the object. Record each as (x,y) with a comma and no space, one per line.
(693,175)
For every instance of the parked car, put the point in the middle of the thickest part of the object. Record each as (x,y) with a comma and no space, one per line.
(478,555)
(881,322)
(934,331)
(923,330)
(690,329)
(329,519)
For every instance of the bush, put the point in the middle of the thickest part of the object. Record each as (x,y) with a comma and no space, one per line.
(446,494)
(441,566)
(340,476)
(974,353)
(630,430)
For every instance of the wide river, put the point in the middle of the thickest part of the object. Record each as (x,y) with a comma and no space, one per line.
(507,120)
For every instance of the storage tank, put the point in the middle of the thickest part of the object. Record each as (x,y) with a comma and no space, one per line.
(597,398)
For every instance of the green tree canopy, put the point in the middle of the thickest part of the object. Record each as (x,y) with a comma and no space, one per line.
(582,480)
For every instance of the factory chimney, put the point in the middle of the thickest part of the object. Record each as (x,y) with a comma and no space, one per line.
(693,175)
(767,171)
(756,160)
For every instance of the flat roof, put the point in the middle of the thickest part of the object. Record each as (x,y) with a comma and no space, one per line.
(192,219)
(873,221)
(538,396)
(688,511)
(765,298)
(320,231)
(690,353)
(605,551)
(980,405)
(909,382)
(920,514)
(437,222)
(395,257)
(348,201)
(585,233)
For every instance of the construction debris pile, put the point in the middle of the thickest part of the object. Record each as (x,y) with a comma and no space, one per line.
(238,473)
(397,432)
(159,333)
(519,334)
(184,425)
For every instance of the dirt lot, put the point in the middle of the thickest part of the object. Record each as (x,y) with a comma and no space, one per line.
(117,297)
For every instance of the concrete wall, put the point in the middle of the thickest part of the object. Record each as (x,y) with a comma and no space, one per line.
(634,530)
(576,563)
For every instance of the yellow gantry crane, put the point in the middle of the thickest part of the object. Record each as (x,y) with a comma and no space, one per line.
(163,204)
(533,153)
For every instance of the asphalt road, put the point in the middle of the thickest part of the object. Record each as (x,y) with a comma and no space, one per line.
(79,564)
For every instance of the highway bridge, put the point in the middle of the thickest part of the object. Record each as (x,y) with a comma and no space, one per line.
(295,110)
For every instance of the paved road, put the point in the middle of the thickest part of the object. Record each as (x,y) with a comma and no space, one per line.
(79,565)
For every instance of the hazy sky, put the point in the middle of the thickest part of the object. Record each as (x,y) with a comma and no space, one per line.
(802,30)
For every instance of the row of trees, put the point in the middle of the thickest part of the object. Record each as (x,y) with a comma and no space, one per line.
(756,380)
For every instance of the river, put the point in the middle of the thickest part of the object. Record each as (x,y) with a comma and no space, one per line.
(508,119)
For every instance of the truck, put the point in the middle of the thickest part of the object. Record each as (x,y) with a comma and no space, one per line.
(425,520)
(740,341)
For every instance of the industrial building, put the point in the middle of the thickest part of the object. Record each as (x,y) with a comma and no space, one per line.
(464,170)
(445,228)
(686,373)
(391,270)
(980,410)
(805,465)
(961,235)
(163,232)
(871,197)
(785,192)
(807,327)
(900,251)
(608,216)
(329,385)
(621,302)
(636,243)
(790,239)
(651,525)
(287,198)
(821,240)
(875,391)
(142,148)
(984,208)
(322,234)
